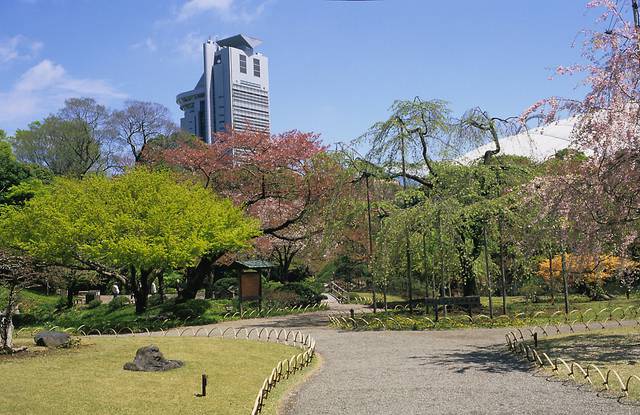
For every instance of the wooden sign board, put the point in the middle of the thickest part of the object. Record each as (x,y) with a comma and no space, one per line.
(250,285)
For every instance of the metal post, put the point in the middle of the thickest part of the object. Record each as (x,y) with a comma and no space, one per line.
(502,270)
(407,235)
(486,265)
(373,284)
(426,280)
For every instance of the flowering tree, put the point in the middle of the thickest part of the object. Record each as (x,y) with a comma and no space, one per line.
(279,179)
(590,272)
(602,193)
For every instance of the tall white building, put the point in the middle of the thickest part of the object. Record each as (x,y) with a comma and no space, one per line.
(233,91)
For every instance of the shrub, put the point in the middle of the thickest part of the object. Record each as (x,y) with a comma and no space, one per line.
(61,304)
(95,303)
(307,295)
(155,300)
(191,309)
(118,302)
(281,298)
(221,287)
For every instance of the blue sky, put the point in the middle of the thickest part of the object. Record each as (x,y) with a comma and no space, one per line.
(335,67)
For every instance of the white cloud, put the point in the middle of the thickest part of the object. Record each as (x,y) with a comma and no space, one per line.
(148,44)
(18,47)
(190,45)
(44,87)
(231,10)
(193,7)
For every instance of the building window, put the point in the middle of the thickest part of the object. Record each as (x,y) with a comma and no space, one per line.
(256,67)
(243,64)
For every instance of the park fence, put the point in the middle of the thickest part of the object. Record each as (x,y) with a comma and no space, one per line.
(596,375)
(545,321)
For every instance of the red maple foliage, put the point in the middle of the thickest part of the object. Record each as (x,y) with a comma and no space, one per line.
(274,177)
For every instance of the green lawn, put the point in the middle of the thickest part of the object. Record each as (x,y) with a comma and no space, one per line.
(608,349)
(37,310)
(91,380)
(519,304)
(379,298)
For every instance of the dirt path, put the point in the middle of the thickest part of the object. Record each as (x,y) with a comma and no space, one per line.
(438,372)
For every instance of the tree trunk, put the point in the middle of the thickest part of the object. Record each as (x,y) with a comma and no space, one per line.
(6,322)
(551,285)
(141,290)
(70,289)
(161,286)
(208,289)
(194,277)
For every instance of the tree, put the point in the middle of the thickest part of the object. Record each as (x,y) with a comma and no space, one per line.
(602,192)
(72,142)
(126,227)
(589,272)
(139,123)
(14,173)
(16,273)
(279,179)
(415,132)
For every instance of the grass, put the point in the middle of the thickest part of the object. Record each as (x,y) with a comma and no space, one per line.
(29,299)
(519,304)
(520,313)
(38,310)
(608,349)
(368,299)
(90,379)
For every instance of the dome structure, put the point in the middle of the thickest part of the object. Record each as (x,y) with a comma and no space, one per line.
(538,143)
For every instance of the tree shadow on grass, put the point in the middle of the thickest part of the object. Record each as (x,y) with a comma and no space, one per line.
(596,347)
(488,359)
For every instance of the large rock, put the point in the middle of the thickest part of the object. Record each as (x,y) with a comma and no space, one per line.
(150,359)
(52,339)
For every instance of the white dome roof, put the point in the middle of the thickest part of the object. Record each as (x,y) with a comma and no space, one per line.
(537,143)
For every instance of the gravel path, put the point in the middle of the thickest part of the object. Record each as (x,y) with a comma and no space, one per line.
(441,372)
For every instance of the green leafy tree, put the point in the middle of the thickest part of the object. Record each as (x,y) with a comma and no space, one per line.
(126,227)
(17,178)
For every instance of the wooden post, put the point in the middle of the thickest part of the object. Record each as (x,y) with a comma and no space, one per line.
(240,293)
(204,384)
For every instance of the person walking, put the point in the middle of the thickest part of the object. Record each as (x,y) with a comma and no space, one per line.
(115,290)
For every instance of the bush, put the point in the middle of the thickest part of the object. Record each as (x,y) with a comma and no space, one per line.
(296,274)
(155,300)
(191,309)
(118,302)
(221,287)
(307,295)
(94,304)
(61,304)
(281,298)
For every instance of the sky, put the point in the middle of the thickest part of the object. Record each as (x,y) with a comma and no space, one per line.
(335,66)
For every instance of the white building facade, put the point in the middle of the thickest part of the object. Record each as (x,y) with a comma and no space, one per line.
(233,91)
